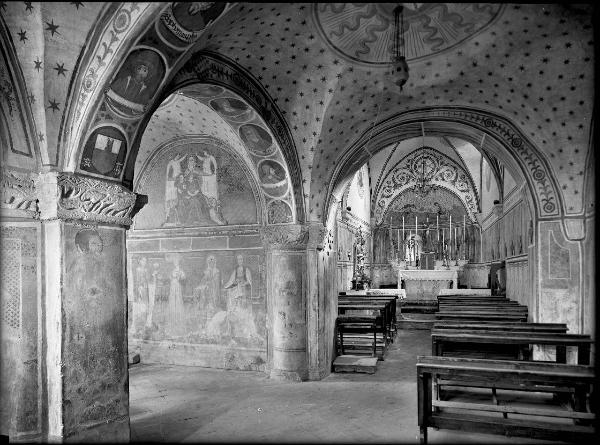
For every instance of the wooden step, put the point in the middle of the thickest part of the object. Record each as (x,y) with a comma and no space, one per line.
(355,363)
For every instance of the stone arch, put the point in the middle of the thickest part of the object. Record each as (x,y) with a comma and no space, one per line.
(447,174)
(502,138)
(215,69)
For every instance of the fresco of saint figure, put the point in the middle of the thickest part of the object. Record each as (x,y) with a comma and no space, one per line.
(209,291)
(237,321)
(195,16)
(191,194)
(231,108)
(272,177)
(140,293)
(138,79)
(257,140)
(175,310)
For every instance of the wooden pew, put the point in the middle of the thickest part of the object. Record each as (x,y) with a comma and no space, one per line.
(482,308)
(505,341)
(558,328)
(357,325)
(390,300)
(382,307)
(480,316)
(531,377)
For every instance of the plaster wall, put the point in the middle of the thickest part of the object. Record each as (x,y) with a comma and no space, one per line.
(21,366)
(489,188)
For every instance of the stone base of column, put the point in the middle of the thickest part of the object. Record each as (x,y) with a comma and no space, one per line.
(285,376)
(115,431)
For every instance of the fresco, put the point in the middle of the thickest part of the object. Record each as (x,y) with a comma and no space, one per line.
(207,297)
(196,185)
(272,178)
(104,152)
(232,109)
(279,212)
(137,81)
(95,365)
(257,140)
(195,16)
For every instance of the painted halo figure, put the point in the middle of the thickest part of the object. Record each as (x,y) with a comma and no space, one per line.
(139,78)
(208,292)
(175,311)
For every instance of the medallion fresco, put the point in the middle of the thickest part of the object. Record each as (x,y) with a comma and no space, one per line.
(195,185)
(208,297)
(364,32)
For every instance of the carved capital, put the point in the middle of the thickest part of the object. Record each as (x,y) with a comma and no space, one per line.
(19,194)
(316,236)
(292,236)
(89,199)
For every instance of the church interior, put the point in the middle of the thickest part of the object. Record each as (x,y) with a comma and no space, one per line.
(297,221)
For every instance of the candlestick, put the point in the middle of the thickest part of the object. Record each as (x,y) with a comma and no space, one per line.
(403,227)
(398,236)
(450,229)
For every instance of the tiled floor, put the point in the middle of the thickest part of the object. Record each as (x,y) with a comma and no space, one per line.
(179,403)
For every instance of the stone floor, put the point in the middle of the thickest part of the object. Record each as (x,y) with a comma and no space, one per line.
(189,404)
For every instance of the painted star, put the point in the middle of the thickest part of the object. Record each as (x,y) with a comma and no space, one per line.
(38,64)
(41,136)
(52,27)
(31,99)
(54,105)
(3,6)
(77,4)
(28,6)
(60,69)
(22,35)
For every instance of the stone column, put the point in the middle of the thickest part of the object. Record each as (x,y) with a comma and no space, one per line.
(286,300)
(84,222)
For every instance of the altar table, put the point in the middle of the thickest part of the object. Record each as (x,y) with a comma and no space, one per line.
(425,284)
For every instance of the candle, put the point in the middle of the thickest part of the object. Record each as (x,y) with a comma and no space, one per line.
(443,239)
(402,227)
(450,229)
(437,222)
(416,224)
(398,236)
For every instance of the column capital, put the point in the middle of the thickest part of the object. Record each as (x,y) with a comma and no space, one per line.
(69,196)
(294,236)
(19,194)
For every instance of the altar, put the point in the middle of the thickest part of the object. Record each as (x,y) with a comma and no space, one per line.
(425,284)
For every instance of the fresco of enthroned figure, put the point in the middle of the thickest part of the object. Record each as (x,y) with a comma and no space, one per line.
(193,197)
(198,187)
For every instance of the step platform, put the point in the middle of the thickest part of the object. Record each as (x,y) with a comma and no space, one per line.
(355,363)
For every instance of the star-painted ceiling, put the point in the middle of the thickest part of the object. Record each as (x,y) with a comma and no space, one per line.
(529,63)
(48,39)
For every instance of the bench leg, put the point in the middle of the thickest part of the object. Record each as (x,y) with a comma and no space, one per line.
(374,342)
(423,435)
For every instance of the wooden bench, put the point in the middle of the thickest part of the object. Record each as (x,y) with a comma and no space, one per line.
(558,328)
(509,343)
(357,325)
(382,307)
(389,300)
(572,423)
(482,308)
(480,316)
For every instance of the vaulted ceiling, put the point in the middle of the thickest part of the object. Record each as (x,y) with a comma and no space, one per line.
(324,66)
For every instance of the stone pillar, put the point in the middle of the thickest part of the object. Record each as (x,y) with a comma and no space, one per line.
(84,222)
(286,300)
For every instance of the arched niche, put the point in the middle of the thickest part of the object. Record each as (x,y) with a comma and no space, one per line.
(502,139)
(197,182)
